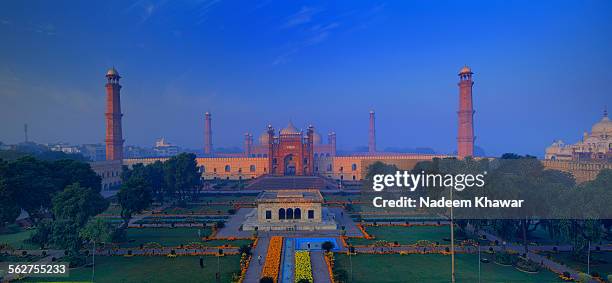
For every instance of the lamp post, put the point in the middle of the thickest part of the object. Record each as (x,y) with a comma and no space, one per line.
(589,259)
(452,227)
(351,261)
(478,245)
(93,262)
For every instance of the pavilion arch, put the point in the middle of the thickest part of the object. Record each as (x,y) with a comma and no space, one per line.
(297,213)
(281,213)
(289,213)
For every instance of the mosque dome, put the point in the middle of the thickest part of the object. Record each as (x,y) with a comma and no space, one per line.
(264,138)
(289,130)
(603,127)
(465,70)
(316,138)
(112,72)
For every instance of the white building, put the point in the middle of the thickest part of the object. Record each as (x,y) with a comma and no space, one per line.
(595,146)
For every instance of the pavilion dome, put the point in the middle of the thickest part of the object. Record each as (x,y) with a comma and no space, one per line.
(289,130)
(603,127)
(465,70)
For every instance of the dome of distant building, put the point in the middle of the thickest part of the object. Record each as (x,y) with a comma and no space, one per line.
(264,138)
(594,146)
(465,70)
(289,130)
(112,72)
(603,127)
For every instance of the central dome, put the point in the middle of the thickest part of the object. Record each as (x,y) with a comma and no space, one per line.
(603,127)
(316,138)
(289,130)
(264,138)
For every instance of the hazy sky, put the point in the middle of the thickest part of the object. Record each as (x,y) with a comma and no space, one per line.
(542,69)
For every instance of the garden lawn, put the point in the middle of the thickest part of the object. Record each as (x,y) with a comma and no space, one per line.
(432,268)
(601,262)
(16,239)
(169,237)
(154,269)
(405,235)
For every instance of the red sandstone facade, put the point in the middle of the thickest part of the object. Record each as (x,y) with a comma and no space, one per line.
(465,137)
(114,136)
(290,153)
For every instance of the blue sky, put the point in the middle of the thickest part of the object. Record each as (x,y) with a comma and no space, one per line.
(542,69)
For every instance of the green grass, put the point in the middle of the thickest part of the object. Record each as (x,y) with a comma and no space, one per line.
(154,269)
(432,268)
(405,235)
(163,236)
(601,262)
(16,239)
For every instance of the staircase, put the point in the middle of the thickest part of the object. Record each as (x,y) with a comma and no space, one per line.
(291,182)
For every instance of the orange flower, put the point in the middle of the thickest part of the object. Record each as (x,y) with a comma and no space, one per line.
(273,258)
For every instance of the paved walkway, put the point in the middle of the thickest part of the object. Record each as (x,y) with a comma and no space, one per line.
(233,224)
(344,219)
(319,267)
(253,274)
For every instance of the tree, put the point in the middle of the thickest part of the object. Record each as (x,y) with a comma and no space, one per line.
(9,211)
(181,175)
(155,175)
(72,209)
(245,249)
(133,198)
(327,246)
(97,230)
(32,184)
(67,172)
(77,204)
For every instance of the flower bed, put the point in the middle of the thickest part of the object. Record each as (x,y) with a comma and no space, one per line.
(273,258)
(303,268)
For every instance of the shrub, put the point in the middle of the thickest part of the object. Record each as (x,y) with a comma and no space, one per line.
(220,224)
(245,249)
(327,246)
(527,265)
(505,258)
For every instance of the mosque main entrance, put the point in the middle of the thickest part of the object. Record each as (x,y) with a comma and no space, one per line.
(289,163)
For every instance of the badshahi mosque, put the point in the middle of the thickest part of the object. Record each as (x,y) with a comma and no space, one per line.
(289,151)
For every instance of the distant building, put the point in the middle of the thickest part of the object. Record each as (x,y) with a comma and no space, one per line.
(596,146)
(94,152)
(163,148)
(65,148)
